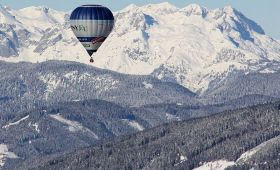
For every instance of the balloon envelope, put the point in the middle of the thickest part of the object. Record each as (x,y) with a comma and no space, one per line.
(91,24)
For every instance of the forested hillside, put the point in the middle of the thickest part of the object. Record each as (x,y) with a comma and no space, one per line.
(243,138)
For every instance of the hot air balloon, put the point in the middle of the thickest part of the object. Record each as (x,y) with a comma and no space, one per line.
(92,24)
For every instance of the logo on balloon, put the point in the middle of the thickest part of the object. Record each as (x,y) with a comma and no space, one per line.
(98,39)
(86,45)
(79,28)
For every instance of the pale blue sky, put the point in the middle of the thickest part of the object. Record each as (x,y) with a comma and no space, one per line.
(264,12)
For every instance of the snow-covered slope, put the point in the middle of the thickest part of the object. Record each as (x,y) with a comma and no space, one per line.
(250,157)
(37,34)
(192,46)
(216,165)
(262,148)
(4,154)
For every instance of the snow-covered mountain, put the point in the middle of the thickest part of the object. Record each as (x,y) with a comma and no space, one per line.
(192,46)
(35,34)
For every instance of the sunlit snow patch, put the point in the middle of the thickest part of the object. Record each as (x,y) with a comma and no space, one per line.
(4,154)
(182,159)
(247,155)
(35,126)
(52,83)
(172,117)
(147,85)
(267,71)
(15,123)
(216,165)
(73,126)
(71,75)
(134,124)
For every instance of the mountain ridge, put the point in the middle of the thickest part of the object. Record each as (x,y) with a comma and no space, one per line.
(209,46)
(32,85)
